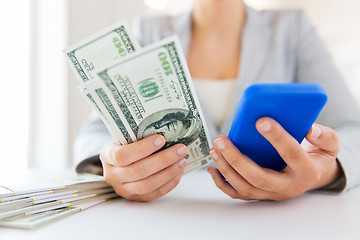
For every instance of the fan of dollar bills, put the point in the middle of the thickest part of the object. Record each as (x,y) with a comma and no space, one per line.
(137,93)
(29,207)
(141,92)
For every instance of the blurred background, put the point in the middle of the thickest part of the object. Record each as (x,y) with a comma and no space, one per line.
(41,108)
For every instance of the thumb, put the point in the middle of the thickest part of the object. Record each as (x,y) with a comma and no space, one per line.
(325,138)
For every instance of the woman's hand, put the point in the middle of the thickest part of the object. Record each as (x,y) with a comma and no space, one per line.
(137,173)
(310,165)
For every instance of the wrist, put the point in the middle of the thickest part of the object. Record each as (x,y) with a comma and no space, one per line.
(334,179)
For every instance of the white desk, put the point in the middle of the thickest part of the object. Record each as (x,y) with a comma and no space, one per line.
(196,209)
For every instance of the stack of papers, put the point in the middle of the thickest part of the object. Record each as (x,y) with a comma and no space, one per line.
(31,206)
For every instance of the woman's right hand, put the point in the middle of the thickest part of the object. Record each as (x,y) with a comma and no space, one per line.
(137,174)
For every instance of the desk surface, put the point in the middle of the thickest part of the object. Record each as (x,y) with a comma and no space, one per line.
(196,209)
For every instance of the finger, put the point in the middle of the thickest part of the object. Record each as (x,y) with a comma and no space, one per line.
(225,186)
(262,178)
(108,172)
(324,138)
(161,191)
(287,146)
(117,155)
(153,182)
(111,178)
(237,181)
(152,164)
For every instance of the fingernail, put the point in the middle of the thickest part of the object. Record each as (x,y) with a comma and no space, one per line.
(181,150)
(211,173)
(265,126)
(220,143)
(159,141)
(214,155)
(182,163)
(316,131)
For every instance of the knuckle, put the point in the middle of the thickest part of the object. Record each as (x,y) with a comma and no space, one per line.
(251,195)
(119,192)
(294,192)
(122,193)
(334,137)
(143,187)
(164,191)
(105,151)
(220,184)
(119,155)
(278,135)
(248,192)
(233,195)
(293,153)
(232,160)
(122,175)
(170,173)
(174,182)
(225,172)
(165,158)
(107,178)
(261,182)
(135,171)
(139,198)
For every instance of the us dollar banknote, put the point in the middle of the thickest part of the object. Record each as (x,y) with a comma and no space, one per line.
(95,52)
(151,92)
(109,112)
(132,107)
(101,49)
(37,218)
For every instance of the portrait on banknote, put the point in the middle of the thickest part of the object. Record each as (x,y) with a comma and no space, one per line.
(176,125)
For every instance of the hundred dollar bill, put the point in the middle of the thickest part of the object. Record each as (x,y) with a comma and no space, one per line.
(23,211)
(55,196)
(9,205)
(100,49)
(34,220)
(108,112)
(95,52)
(154,92)
(60,202)
(79,181)
(111,109)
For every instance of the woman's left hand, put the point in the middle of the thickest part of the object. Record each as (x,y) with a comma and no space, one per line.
(310,165)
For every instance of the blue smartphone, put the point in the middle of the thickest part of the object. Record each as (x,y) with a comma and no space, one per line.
(295,106)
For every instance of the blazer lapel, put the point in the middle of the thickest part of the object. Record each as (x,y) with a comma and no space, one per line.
(182,26)
(256,43)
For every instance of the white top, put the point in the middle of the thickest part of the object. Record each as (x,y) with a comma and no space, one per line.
(216,96)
